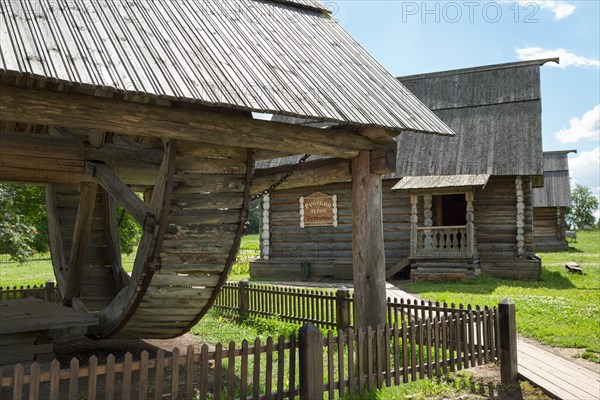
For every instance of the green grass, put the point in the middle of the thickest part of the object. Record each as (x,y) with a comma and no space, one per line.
(561,310)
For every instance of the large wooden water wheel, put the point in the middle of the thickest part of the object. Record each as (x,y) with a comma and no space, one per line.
(192,223)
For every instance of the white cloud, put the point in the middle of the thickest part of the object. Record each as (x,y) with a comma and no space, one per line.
(561,9)
(567,59)
(584,169)
(585,128)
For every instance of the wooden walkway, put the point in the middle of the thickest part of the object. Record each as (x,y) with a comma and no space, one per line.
(557,376)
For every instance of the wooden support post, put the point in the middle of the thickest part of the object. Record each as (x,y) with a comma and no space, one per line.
(243,298)
(342,297)
(414,219)
(507,330)
(49,291)
(81,233)
(57,253)
(311,362)
(470,225)
(368,255)
(111,236)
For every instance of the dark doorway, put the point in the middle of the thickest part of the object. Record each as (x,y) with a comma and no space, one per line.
(450,210)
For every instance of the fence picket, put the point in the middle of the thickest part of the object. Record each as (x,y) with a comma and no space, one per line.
(478,333)
(160,374)
(370,359)
(189,372)
(396,355)
(74,379)
(175,373)
(256,369)
(34,381)
(351,363)
(217,371)
(280,366)
(18,382)
(54,379)
(465,339)
(143,376)
(269,368)
(445,339)
(379,356)
(388,361)
(330,365)
(127,361)
(93,377)
(421,347)
(231,371)
(341,377)
(472,338)
(428,341)
(244,371)
(436,345)
(292,366)
(203,371)
(110,378)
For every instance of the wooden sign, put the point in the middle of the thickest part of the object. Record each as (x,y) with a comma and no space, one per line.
(318,209)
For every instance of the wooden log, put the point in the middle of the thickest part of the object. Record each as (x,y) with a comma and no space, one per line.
(75,110)
(123,194)
(368,255)
(49,159)
(80,239)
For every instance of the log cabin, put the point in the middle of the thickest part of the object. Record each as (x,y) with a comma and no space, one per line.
(551,201)
(455,207)
(150,104)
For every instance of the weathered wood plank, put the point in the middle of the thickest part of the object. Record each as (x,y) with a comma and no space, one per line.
(80,239)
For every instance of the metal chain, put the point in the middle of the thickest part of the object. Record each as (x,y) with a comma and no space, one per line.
(282,179)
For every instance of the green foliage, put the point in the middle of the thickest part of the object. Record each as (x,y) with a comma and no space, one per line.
(254,216)
(129,231)
(23,223)
(581,212)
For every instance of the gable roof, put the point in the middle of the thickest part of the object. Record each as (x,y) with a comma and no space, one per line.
(285,57)
(496,113)
(557,185)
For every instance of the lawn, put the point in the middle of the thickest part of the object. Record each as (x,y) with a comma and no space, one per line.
(561,310)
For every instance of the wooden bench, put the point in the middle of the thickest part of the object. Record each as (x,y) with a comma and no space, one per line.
(573,268)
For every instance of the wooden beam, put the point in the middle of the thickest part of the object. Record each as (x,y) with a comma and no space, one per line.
(122,193)
(49,159)
(368,255)
(76,110)
(57,252)
(311,173)
(81,233)
(111,235)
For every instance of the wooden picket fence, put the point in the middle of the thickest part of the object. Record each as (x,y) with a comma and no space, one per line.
(47,291)
(349,363)
(329,309)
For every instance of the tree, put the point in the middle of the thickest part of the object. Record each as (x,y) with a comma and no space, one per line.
(583,206)
(23,223)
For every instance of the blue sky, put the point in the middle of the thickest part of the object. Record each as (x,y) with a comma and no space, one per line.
(409,37)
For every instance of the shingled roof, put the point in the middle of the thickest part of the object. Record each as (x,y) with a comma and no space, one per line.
(496,113)
(286,57)
(557,185)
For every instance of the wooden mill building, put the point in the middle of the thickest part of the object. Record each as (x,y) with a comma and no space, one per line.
(100,100)
(455,206)
(551,201)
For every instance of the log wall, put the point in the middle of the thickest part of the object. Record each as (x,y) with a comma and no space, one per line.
(549,229)
(329,249)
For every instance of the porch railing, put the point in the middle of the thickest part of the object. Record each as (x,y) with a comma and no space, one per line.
(436,241)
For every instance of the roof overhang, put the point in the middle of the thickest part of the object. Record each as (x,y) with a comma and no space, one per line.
(441,182)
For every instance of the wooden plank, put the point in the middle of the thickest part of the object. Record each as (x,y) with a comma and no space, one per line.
(143,383)
(92,380)
(122,193)
(80,238)
(71,109)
